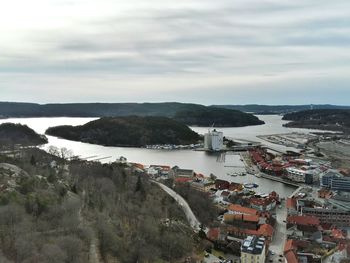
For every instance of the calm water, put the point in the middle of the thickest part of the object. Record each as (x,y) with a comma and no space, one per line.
(199,161)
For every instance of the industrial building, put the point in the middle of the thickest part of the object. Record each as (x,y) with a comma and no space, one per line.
(253,250)
(213,140)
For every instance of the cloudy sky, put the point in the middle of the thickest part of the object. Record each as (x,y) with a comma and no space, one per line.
(203,51)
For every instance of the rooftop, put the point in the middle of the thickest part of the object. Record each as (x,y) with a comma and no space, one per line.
(253,245)
(303,220)
(242,210)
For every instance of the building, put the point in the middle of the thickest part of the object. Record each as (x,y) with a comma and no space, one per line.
(238,209)
(253,250)
(299,175)
(222,184)
(335,181)
(341,184)
(338,217)
(178,172)
(213,141)
(303,223)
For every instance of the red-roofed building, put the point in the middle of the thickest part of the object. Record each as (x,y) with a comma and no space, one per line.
(213,234)
(238,209)
(291,205)
(182,180)
(290,251)
(304,223)
(235,187)
(263,204)
(221,184)
(291,257)
(264,230)
(242,221)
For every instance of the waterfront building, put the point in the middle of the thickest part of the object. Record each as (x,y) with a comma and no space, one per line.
(253,250)
(299,175)
(213,140)
(335,181)
(177,172)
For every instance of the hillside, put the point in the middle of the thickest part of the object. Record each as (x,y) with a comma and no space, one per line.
(128,131)
(167,109)
(206,117)
(11,134)
(334,120)
(278,109)
(221,117)
(74,211)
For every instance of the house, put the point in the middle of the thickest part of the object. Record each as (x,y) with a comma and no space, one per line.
(242,221)
(303,223)
(238,209)
(221,184)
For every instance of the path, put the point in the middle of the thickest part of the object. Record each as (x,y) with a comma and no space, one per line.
(191,218)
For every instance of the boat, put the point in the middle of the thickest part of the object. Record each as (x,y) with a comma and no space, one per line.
(250,185)
(258,175)
(242,174)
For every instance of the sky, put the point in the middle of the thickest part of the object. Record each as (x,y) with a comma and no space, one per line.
(200,51)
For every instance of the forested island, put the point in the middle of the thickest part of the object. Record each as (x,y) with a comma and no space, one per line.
(190,114)
(133,131)
(331,119)
(11,134)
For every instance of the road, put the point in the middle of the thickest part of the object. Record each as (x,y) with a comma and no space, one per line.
(280,234)
(191,218)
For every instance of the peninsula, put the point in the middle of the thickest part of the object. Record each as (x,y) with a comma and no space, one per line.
(11,134)
(332,119)
(130,131)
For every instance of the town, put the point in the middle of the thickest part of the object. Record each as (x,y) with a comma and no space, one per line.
(310,225)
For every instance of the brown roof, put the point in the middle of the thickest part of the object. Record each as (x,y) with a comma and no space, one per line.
(303,220)
(266,230)
(291,203)
(183,179)
(213,234)
(242,209)
(291,257)
(242,217)
(289,245)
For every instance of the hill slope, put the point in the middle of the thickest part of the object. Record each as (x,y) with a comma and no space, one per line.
(278,109)
(11,133)
(220,117)
(199,114)
(128,131)
(336,120)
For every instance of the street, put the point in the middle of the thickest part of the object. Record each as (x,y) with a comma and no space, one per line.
(280,234)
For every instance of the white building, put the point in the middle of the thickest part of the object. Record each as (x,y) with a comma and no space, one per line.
(253,250)
(214,140)
(302,176)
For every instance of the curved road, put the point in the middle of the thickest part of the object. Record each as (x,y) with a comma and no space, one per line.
(191,218)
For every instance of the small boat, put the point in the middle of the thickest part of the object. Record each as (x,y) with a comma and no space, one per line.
(234,174)
(258,175)
(250,185)
(242,174)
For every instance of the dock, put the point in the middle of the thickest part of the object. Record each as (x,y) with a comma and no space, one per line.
(277,179)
